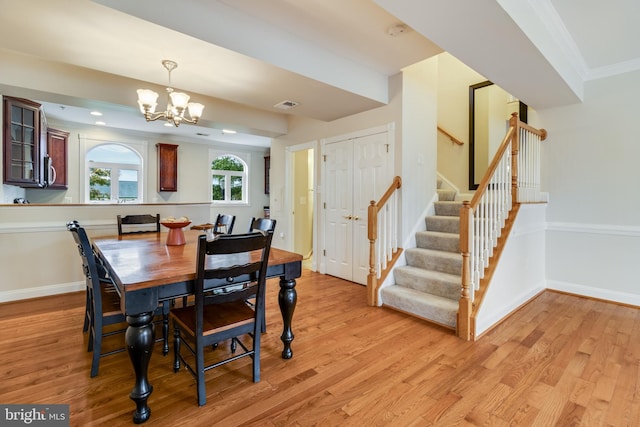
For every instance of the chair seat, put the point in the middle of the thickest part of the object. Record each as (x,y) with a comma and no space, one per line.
(216,318)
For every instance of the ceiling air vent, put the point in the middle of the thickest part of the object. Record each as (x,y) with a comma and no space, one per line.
(285,105)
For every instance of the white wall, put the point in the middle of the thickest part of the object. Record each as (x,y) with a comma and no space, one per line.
(520,275)
(454,79)
(419,142)
(591,172)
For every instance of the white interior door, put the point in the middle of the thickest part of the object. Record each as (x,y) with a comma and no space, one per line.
(357,171)
(338,209)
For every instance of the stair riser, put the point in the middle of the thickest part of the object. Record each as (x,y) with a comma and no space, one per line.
(446,195)
(448,208)
(443,224)
(407,279)
(433,262)
(441,243)
(422,307)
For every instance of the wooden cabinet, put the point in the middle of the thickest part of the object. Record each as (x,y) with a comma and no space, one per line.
(22,142)
(167,167)
(56,164)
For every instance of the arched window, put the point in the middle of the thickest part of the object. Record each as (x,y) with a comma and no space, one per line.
(114,174)
(229,179)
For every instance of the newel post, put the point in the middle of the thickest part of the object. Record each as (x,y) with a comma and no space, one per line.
(465,304)
(372,232)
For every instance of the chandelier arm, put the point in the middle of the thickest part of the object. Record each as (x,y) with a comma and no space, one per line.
(188,120)
(151,117)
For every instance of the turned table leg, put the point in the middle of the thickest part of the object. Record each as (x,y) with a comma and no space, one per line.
(287,298)
(139,338)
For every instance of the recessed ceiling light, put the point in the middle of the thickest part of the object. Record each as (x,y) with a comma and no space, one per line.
(169,124)
(96,113)
(228,131)
(101,123)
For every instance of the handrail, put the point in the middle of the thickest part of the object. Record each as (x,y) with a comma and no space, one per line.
(513,177)
(542,133)
(382,255)
(397,183)
(504,145)
(451,137)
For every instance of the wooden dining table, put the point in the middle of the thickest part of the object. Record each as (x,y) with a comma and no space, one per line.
(147,271)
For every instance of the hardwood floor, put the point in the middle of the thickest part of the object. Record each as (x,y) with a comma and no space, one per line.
(560,360)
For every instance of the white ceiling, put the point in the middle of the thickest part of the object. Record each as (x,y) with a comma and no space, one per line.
(333,57)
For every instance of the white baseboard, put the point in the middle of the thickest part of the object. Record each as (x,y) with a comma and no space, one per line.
(599,293)
(42,291)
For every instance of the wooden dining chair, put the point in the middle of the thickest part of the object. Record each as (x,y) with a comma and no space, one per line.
(262,224)
(105,281)
(104,302)
(224,224)
(138,224)
(218,316)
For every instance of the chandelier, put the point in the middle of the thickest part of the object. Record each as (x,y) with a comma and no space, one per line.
(177,103)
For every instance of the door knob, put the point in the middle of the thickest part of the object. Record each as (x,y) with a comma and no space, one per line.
(356,217)
(348,217)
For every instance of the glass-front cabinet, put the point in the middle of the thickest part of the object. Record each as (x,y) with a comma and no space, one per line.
(22,142)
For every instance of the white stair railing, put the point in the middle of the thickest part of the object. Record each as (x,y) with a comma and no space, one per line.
(489,217)
(383,230)
(512,177)
(529,164)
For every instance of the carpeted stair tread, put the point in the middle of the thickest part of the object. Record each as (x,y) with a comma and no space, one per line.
(434,282)
(449,242)
(426,306)
(430,259)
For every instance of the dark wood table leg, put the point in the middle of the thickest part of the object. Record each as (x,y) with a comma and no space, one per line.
(139,338)
(287,298)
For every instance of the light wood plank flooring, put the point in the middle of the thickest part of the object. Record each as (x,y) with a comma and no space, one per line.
(560,360)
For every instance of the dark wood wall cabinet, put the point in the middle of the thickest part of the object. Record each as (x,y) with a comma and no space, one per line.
(56,164)
(22,142)
(167,167)
(34,155)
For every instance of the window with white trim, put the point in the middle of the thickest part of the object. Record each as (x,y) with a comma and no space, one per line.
(113,174)
(229,178)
